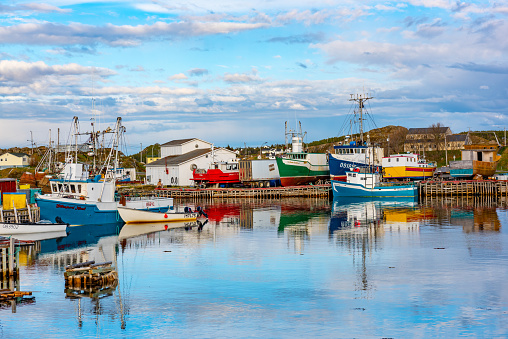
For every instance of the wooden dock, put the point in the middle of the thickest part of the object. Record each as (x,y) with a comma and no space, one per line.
(322,191)
(494,188)
(22,215)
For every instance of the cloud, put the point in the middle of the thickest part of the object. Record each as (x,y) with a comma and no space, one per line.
(473,67)
(20,71)
(197,72)
(241,77)
(44,8)
(112,35)
(33,7)
(179,76)
(299,39)
(428,31)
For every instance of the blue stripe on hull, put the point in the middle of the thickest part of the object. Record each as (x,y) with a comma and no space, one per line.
(341,189)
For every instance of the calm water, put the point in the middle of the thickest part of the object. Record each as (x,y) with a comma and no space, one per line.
(295,268)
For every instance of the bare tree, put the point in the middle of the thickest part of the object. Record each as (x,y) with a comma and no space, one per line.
(437,132)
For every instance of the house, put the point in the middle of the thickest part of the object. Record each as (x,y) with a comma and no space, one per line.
(9,160)
(457,141)
(151,159)
(179,158)
(426,139)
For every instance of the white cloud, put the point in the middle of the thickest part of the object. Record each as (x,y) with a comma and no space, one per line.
(179,76)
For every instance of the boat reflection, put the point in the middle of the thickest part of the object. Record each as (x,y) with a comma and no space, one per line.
(135,230)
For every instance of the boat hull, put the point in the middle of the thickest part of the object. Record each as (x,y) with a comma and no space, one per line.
(339,167)
(82,212)
(131,216)
(407,172)
(344,189)
(300,172)
(20,228)
(303,180)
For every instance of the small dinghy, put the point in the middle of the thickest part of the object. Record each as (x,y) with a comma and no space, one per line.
(131,216)
(28,228)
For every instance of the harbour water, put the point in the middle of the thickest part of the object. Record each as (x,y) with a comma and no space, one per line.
(281,268)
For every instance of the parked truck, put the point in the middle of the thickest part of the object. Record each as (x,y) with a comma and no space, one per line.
(259,173)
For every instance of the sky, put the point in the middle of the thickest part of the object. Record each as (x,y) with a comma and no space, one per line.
(232,72)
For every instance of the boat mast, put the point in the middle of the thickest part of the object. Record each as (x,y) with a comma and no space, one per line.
(360,99)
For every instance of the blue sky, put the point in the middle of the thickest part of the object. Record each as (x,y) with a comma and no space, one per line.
(232,73)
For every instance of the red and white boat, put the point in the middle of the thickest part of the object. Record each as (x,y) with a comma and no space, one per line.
(132,216)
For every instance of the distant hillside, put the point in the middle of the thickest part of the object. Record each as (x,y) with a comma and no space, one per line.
(391,138)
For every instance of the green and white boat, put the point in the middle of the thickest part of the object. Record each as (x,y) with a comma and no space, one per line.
(300,168)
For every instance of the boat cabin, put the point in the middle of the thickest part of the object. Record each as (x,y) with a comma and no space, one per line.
(363,177)
(359,153)
(480,152)
(405,159)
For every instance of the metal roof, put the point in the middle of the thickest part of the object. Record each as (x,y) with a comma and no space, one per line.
(178,142)
(427,130)
(179,159)
(457,137)
(19,155)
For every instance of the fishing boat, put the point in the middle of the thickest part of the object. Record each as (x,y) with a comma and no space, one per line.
(79,198)
(407,166)
(298,167)
(355,150)
(33,227)
(362,182)
(477,160)
(132,216)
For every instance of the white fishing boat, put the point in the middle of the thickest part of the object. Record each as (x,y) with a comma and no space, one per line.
(80,196)
(131,216)
(36,227)
(361,182)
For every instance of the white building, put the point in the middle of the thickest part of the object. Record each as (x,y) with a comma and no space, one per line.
(179,158)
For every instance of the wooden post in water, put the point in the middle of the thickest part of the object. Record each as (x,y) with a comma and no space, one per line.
(11,257)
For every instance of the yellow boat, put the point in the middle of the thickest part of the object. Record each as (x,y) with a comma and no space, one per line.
(407,166)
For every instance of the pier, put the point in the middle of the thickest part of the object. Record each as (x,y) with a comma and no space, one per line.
(494,188)
(322,191)
(22,215)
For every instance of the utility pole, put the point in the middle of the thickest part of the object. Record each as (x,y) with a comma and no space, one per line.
(32,141)
(58,144)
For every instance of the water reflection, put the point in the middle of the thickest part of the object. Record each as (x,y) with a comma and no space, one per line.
(382,264)
(472,214)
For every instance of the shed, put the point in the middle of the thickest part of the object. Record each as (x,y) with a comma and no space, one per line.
(176,170)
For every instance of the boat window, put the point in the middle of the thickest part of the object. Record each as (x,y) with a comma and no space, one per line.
(397,159)
(389,160)
(73,188)
(79,188)
(354,175)
(60,188)
(54,187)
